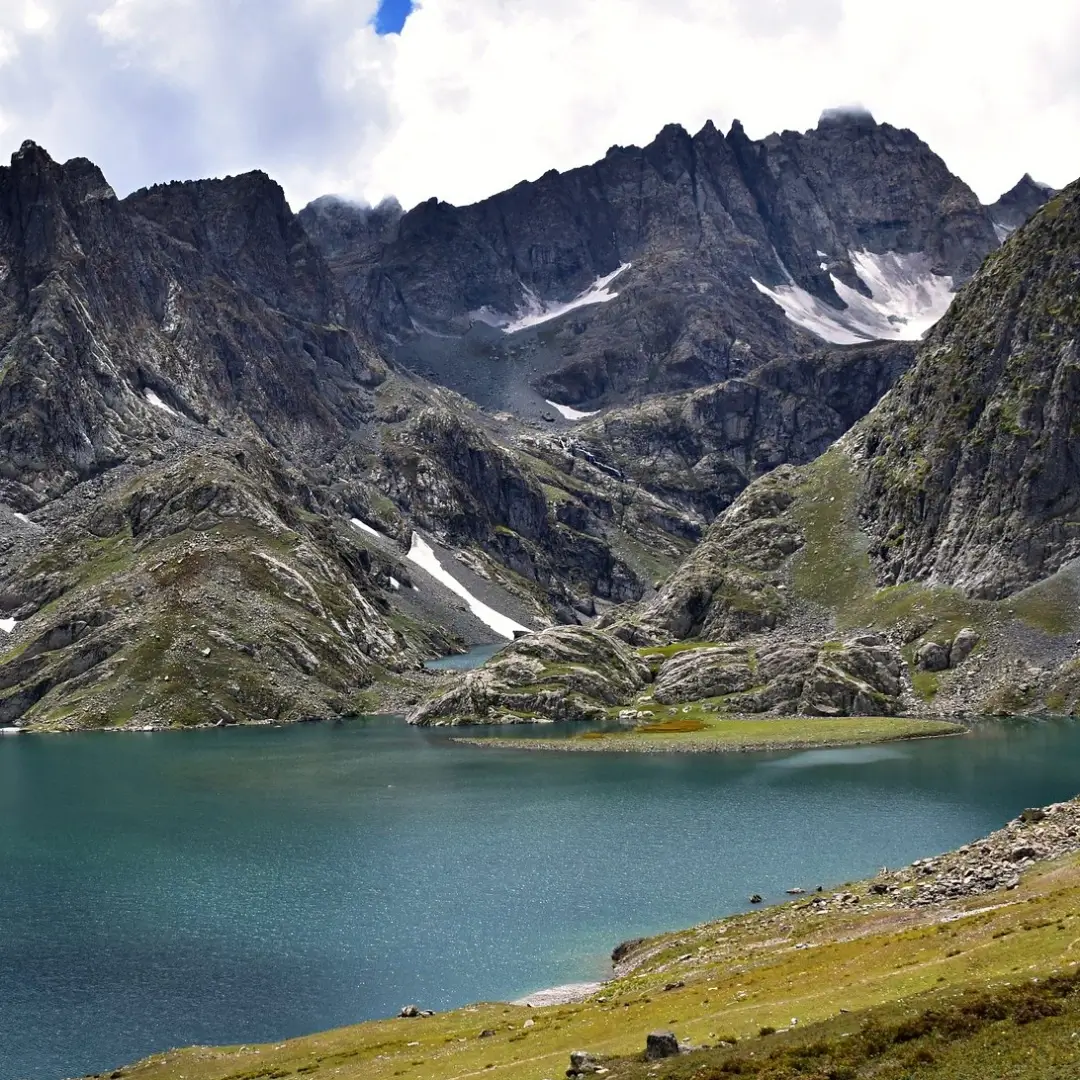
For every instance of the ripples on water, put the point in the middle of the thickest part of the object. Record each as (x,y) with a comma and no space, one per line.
(251,884)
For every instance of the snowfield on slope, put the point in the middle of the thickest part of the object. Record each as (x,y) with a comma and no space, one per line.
(906,299)
(363,526)
(154,400)
(424,556)
(569,413)
(535,311)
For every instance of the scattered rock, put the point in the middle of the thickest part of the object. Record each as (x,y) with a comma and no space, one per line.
(487,1033)
(661,1044)
(582,1063)
(756,898)
(409,1012)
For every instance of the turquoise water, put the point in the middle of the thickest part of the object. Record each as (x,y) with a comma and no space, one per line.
(251,884)
(465,661)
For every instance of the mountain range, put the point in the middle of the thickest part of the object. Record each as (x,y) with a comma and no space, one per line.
(257,465)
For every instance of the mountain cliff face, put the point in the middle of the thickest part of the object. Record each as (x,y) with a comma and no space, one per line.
(972,472)
(210,486)
(928,560)
(684,263)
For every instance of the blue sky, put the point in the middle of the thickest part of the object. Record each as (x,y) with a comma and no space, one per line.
(391,16)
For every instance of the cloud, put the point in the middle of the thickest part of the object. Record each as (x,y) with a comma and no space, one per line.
(475,95)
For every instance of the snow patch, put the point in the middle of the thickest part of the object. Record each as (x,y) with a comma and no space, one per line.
(906,299)
(24,519)
(535,311)
(570,414)
(394,583)
(1002,232)
(154,400)
(424,556)
(7,625)
(363,526)
(824,265)
(822,255)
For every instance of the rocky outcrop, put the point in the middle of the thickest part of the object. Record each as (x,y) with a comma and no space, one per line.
(565,673)
(994,862)
(859,677)
(733,583)
(692,220)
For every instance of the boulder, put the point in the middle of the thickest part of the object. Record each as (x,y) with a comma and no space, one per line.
(582,1063)
(661,1044)
(962,646)
(932,656)
(409,1012)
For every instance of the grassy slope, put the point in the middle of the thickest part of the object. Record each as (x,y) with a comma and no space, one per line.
(699,732)
(833,568)
(837,971)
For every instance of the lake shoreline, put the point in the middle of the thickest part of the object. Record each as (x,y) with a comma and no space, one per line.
(984,888)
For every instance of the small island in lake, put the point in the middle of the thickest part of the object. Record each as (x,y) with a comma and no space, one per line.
(727,734)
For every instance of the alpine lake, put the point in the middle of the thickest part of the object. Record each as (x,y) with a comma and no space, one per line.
(251,884)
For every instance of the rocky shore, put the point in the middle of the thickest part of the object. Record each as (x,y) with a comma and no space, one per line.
(995,862)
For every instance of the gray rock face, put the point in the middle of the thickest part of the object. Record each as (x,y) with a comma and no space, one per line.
(700,449)
(971,470)
(696,217)
(564,673)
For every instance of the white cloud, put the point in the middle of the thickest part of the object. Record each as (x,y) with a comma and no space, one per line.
(477,94)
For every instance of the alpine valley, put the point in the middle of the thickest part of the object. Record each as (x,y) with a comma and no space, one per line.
(712,426)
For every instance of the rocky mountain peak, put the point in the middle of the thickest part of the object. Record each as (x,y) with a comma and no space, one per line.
(1019,203)
(779,243)
(244,226)
(338,225)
